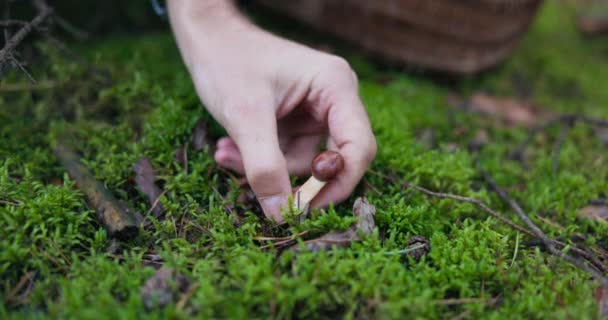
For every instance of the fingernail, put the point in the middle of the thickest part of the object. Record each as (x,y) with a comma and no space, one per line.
(272,206)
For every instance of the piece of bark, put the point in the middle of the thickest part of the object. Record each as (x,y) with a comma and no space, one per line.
(145,180)
(163,288)
(365,225)
(120,221)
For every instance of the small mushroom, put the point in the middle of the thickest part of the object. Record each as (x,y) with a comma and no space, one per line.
(325,166)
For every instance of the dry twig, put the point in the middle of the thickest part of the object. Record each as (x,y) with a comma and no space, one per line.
(44,11)
(145,180)
(568,121)
(549,243)
(591,258)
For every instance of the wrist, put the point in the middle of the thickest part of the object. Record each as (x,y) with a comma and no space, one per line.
(200,25)
(201,11)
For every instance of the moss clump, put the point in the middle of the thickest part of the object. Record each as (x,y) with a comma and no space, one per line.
(138,101)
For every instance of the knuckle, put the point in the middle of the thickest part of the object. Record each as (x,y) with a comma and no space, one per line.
(343,193)
(264,171)
(341,70)
(238,114)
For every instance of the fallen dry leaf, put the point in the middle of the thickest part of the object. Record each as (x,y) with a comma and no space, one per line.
(163,288)
(365,225)
(509,111)
(145,180)
(199,139)
(601,297)
(593,25)
(365,211)
(420,252)
(180,155)
(596,212)
(593,19)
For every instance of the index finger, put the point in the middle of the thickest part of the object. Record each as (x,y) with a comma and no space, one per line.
(351,135)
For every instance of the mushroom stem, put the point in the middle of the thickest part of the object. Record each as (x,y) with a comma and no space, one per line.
(325,166)
(306,193)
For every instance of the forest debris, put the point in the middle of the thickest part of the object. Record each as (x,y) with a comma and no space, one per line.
(40,85)
(163,288)
(593,269)
(567,121)
(417,247)
(602,134)
(596,212)
(6,53)
(601,297)
(113,246)
(22,290)
(417,254)
(365,225)
(186,296)
(480,140)
(593,25)
(117,219)
(145,180)
(248,200)
(181,155)
(510,111)
(427,137)
(588,256)
(199,139)
(593,19)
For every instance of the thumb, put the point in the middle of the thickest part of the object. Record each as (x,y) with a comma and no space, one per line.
(255,134)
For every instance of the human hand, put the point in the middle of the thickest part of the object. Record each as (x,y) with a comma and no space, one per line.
(278,101)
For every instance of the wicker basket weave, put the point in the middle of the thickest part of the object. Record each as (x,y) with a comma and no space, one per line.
(457,36)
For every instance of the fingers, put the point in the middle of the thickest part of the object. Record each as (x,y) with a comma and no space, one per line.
(351,135)
(227,155)
(298,151)
(299,154)
(255,136)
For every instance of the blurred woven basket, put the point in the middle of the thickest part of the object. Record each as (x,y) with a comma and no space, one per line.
(455,36)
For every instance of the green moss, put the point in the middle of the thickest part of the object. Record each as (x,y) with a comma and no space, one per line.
(138,100)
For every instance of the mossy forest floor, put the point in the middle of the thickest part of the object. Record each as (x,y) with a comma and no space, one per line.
(133,98)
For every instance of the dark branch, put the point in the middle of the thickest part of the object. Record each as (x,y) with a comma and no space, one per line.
(582,253)
(12,23)
(549,243)
(120,221)
(44,11)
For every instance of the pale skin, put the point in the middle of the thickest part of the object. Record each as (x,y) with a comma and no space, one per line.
(278,100)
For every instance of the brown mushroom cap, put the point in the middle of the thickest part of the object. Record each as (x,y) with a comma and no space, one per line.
(326,165)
